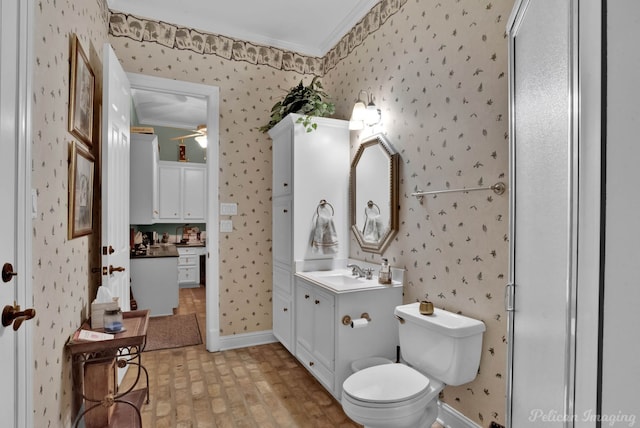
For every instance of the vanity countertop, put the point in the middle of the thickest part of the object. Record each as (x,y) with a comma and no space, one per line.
(156,251)
(342,281)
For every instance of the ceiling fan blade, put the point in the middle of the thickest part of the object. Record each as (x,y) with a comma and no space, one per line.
(197,134)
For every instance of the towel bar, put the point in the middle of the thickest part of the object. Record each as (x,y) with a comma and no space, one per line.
(498,188)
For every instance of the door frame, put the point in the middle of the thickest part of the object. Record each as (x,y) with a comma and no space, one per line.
(25,206)
(586,118)
(212,95)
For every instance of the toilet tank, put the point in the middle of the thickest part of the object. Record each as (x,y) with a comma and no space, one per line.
(444,346)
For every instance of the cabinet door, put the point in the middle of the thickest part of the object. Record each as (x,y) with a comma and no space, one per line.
(194,194)
(155,208)
(169,183)
(282,159)
(323,327)
(143,204)
(281,241)
(282,318)
(304,315)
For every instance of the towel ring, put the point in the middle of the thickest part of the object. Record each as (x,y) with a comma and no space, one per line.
(322,204)
(370,205)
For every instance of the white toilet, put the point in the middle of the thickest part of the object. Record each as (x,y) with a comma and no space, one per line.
(440,349)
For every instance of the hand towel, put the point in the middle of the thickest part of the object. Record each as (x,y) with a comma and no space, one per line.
(324,239)
(373,228)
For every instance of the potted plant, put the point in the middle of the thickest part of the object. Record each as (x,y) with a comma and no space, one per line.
(305,100)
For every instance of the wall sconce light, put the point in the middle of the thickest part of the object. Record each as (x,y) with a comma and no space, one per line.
(202,140)
(364,114)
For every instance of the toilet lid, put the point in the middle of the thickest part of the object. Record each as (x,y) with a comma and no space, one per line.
(387,383)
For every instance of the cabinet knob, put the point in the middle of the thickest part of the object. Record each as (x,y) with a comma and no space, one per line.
(285,184)
(285,309)
(311,363)
(306,296)
(317,302)
(285,211)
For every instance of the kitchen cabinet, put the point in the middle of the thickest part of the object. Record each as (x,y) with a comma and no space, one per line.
(182,192)
(189,266)
(154,281)
(307,167)
(144,155)
(325,345)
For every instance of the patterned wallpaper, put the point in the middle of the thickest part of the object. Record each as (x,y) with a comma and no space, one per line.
(62,278)
(437,70)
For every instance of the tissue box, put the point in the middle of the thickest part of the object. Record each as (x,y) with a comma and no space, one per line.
(97,312)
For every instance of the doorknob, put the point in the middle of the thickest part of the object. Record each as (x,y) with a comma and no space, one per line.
(115,269)
(13,314)
(7,272)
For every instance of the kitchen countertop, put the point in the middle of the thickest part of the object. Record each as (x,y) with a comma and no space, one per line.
(155,251)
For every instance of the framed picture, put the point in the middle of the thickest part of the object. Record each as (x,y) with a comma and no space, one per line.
(82,83)
(81,169)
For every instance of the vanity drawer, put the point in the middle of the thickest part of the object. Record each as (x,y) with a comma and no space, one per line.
(323,374)
(186,251)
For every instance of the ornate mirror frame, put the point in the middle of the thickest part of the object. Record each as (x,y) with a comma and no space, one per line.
(370,143)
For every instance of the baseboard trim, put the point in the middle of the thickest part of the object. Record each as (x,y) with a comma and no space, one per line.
(246,339)
(451,418)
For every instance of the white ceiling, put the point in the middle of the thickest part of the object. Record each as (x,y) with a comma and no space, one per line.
(157,108)
(303,26)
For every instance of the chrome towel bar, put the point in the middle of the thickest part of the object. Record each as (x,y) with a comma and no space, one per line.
(498,188)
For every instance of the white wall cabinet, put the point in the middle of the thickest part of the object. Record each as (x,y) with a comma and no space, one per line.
(144,155)
(327,347)
(307,167)
(182,192)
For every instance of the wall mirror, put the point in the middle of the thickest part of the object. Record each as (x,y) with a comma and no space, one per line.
(374,193)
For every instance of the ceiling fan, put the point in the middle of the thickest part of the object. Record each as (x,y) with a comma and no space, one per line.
(200,134)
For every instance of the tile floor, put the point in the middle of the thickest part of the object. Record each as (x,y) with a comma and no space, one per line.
(259,387)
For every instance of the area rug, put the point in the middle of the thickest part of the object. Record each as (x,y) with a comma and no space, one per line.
(172,331)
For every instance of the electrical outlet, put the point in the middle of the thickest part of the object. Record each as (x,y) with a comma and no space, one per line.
(226,226)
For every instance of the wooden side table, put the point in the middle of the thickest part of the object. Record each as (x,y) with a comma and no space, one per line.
(104,404)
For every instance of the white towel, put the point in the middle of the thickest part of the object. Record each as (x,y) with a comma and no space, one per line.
(324,239)
(373,228)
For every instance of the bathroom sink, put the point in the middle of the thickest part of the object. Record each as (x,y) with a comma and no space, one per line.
(340,280)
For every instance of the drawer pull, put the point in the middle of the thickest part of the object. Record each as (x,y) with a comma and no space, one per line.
(317,302)
(306,296)
(311,363)
(285,309)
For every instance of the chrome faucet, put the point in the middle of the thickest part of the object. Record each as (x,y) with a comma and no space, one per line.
(359,272)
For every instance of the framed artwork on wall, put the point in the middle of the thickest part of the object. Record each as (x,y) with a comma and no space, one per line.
(81,88)
(81,170)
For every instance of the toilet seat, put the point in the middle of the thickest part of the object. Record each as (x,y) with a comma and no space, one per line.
(386,384)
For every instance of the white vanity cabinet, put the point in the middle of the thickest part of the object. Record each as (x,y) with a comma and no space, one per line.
(315,333)
(144,155)
(307,167)
(325,345)
(182,192)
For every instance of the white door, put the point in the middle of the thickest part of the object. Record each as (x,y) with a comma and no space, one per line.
(541,209)
(116,103)
(15,359)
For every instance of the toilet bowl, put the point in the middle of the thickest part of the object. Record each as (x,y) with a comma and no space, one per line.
(439,349)
(391,395)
